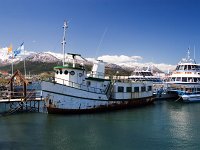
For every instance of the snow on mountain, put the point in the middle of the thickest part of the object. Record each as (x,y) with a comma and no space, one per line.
(42,57)
(116,62)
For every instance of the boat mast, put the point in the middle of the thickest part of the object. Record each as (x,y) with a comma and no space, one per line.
(64,41)
(188,54)
(194,53)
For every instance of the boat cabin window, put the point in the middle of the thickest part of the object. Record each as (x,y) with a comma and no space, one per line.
(128,89)
(195,79)
(149,88)
(120,89)
(72,73)
(66,72)
(178,79)
(143,88)
(57,72)
(88,83)
(61,72)
(80,74)
(136,89)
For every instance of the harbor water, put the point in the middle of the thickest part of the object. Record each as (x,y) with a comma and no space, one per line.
(164,125)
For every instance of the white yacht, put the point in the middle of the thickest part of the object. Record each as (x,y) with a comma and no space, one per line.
(186,72)
(145,75)
(186,76)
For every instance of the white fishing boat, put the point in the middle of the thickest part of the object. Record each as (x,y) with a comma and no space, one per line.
(73,90)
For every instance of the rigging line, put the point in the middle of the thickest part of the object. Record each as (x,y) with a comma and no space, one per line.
(102,37)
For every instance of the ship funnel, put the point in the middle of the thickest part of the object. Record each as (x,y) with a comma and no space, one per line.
(98,69)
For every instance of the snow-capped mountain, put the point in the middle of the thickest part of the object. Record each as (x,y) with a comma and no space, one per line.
(42,57)
(114,63)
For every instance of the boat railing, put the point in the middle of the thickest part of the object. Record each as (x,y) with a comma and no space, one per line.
(95,74)
(84,87)
(30,95)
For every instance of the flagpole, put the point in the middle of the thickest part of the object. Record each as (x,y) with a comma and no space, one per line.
(12,64)
(24,65)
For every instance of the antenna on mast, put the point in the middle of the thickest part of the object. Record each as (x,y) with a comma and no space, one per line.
(194,52)
(188,54)
(64,40)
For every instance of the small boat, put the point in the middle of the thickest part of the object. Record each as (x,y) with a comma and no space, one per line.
(191,97)
(74,90)
(166,94)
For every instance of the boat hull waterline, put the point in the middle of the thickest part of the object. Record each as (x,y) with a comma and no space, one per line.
(75,102)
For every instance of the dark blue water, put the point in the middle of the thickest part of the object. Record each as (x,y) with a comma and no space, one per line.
(163,126)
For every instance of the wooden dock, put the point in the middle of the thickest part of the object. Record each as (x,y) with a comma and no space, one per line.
(18,97)
(22,104)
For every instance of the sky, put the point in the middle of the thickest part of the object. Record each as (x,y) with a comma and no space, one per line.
(157,31)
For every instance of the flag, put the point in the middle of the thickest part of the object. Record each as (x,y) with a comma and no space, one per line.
(19,49)
(10,49)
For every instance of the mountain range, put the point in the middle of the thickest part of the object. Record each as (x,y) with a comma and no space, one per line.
(44,62)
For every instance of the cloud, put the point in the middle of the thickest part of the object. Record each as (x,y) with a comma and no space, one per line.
(132,61)
(120,59)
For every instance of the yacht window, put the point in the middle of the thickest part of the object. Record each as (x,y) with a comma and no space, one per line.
(128,89)
(66,72)
(195,79)
(181,67)
(136,89)
(189,79)
(178,79)
(173,79)
(143,88)
(120,89)
(193,67)
(61,72)
(184,79)
(189,67)
(177,68)
(185,67)
(57,72)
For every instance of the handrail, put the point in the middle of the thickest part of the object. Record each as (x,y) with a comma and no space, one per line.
(79,86)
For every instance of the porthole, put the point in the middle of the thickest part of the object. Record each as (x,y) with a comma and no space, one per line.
(61,72)
(72,73)
(80,74)
(57,72)
(66,72)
